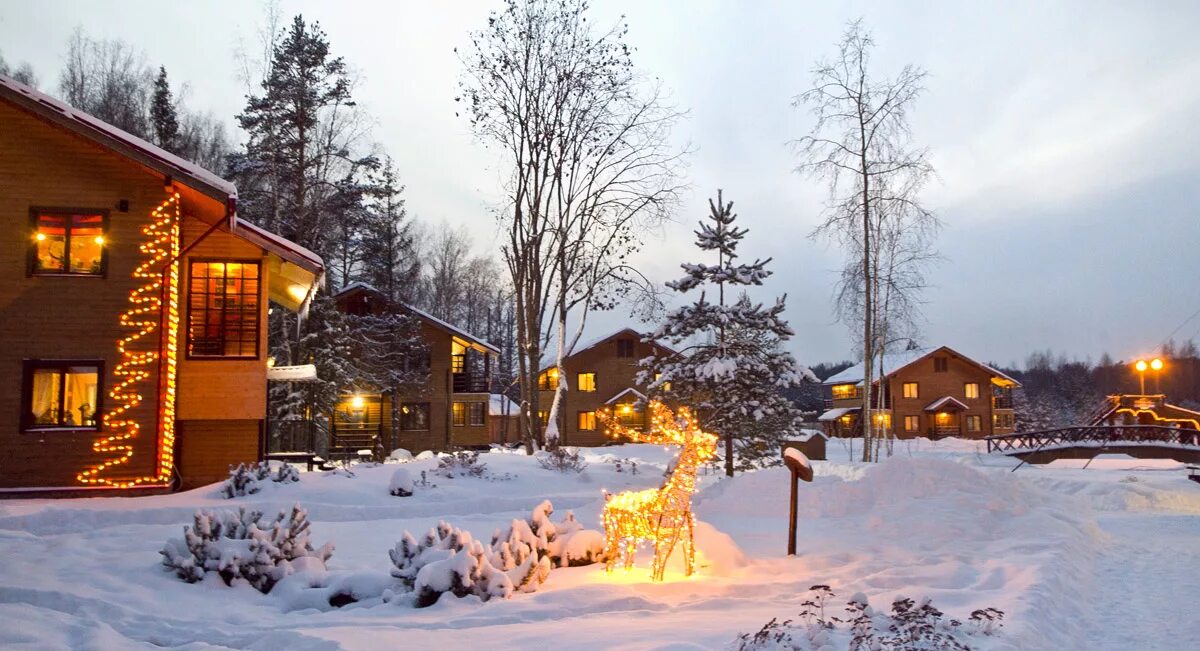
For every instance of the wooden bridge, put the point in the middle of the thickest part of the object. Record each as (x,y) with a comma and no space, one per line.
(1085,442)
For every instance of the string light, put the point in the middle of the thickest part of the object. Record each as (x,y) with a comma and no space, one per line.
(662,515)
(144,316)
(1137,412)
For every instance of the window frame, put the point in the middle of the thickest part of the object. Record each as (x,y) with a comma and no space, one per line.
(941,364)
(976,418)
(458,408)
(579,384)
(425,406)
(28,366)
(472,408)
(631,343)
(258,316)
(31,262)
(591,418)
(916,394)
(916,420)
(967,390)
(548,382)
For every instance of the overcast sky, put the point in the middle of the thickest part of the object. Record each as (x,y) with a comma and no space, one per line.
(1065,139)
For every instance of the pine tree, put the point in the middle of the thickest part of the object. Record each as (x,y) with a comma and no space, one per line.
(730,364)
(163,119)
(386,253)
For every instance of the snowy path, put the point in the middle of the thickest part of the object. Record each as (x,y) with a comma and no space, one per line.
(1145,583)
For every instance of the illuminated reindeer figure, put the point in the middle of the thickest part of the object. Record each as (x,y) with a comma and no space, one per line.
(662,515)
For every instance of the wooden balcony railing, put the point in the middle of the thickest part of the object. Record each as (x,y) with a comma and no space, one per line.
(468,383)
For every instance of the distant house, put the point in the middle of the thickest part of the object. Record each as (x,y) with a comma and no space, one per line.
(927,392)
(78,196)
(450,410)
(602,374)
(504,420)
(1127,409)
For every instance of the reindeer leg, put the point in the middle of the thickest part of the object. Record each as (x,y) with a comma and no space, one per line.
(689,545)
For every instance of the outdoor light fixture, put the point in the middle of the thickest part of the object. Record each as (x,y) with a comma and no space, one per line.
(1141,367)
(271,361)
(99,240)
(41,237)
(356,403)
(297,292)
(1156,364)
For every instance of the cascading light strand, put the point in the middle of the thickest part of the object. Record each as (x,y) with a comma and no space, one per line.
(146,313)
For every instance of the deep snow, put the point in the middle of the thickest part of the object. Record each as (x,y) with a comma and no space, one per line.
(1078,559)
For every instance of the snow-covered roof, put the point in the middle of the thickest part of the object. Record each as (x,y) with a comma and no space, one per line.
(640,396)
(116,139)
(299,373)
(810,434)
(834,414)
(946,402)
(445,325)
(501,405)
(893,362)
(280,246)
(548,356)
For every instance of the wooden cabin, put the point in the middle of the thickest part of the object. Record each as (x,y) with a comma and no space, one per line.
(81,198)
(602,375)
(933,393)
(449,411)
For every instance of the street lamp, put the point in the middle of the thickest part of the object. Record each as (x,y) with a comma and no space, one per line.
(1141,367)
(1156,365)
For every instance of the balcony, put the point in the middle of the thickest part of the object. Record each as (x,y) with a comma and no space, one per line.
(468,383)
(1002,402)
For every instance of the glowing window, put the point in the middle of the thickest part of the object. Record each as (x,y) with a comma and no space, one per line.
(911,390)
(845,391)
(61,395)
(587,421)
(587,382)
(912,423)
(971,389)
(223,312)
(458,414)
(68,244)
(548,381)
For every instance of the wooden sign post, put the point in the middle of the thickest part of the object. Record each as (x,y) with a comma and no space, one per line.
(801,469)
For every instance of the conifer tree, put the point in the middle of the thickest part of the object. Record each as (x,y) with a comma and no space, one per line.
(163,119)
(730,363)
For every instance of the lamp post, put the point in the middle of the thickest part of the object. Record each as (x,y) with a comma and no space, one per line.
(1156,365)
(1141,367)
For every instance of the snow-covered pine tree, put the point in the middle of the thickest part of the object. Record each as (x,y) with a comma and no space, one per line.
(730,364)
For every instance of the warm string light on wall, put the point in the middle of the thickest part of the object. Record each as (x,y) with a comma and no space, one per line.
(145,315)
(663,515)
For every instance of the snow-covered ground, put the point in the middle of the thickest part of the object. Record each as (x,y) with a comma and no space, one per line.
(1100,558)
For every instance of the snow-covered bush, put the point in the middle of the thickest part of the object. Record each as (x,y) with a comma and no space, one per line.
(425,454)
(465,463)
(248,478)
(241,547)
(625,464)
(562,459)
(401,484)
(519,558)
(401,455)
(910,625)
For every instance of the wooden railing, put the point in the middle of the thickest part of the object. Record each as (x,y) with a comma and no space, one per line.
(468,383)
(1089,436)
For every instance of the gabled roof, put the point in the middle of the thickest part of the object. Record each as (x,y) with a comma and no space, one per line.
(105,134)
(280,246)
(359,286)
(624,392)
(899,360)
(549,355)
(834,414)
(946,402)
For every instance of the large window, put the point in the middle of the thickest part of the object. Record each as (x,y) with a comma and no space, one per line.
(67,243)
(844,391)
(911,390)
(458,414)
(587,421)
(61,394)
(476,414)
(974,423)
(223,312)
(971,389)
(548,381)
(912,423)
(587,382)
(414,416)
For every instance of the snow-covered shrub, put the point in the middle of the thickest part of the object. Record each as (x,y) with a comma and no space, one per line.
(401,455)
(248,478)
(241,547)
(625,464)
(463,463)
(425,454)
(909,625)
(401,484)
(562,459)
(519,558)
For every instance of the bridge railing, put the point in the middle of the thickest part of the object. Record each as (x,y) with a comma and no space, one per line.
(1103,434)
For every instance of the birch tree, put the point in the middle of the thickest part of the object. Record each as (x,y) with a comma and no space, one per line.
(860,145)
(585,140)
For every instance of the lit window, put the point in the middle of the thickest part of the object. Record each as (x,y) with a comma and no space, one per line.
(61,395)
(911,390)
(458,363)
(476,414)
(458,414)
(1002,420)
(912,423)
(844,391)
(548,381)
(587,421)
(974,423)
(414,416)
(665,386)
(68,243)
(223,310)
(883,420)
(587,382)
(628,415)
(971,389)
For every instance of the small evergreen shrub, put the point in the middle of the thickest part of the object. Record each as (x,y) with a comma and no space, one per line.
(463,463)
(562,459)
(241,547)
(248,478)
